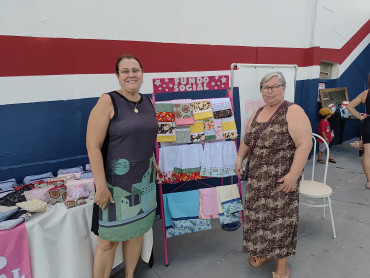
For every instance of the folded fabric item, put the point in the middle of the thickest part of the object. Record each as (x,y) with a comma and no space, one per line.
(77,169)
(202,109)
(5,208)
(188,162)
(29,186)
(182,213)
(221,108)
(208,203)
(15,197)
(32,178)
(9,180)
(6,192)
(7,184)
(197,132)
(65,177)
(164,112)
(209,129)
(75,203)
(34,205)
(183,135)
(218,129)
(41,193)
(86,175)
(78,192)
(183,112)
(4,215)
(218,159)
(88,184)
(166,162)
(88,167)
(166,132)
(10,224)
(229,203)
(58,194)
(54,183)
(229,128)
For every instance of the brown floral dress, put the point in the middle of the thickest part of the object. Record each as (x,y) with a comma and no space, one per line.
(271,216)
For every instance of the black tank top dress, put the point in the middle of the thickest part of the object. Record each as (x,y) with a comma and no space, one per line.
(365,125)
(128,162)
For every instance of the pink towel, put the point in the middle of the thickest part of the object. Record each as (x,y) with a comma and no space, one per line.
(183,111)
(15,259)
(208,204)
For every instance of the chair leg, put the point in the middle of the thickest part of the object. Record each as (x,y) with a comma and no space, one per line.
(324,207)
(331,216)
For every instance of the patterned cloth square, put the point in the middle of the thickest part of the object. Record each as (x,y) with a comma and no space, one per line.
(209,129)
(75,203)
(218,129)
(17,196)
(34,205)
(166,132)
(183,135)
(229,203)
(202,109)
(64,178)
(86,183)
(197,132)
(164,112)
(41,193)
(40,184)
(221,108)
(183,112)
(229,128)
(58,194)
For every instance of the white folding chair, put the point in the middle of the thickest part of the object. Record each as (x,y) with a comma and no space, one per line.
(318,190)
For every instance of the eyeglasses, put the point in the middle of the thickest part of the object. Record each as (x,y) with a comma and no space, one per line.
(133,71)
(274,88)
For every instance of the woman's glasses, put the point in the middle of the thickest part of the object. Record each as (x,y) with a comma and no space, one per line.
(133,71)
(274,88)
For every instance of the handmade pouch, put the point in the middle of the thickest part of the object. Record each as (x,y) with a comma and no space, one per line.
(58,194)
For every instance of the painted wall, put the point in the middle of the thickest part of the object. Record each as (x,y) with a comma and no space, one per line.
(56,58)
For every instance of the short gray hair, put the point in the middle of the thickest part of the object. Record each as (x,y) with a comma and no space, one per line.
(272,74)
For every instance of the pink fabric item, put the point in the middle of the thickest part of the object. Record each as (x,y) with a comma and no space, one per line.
(15,259)
(41,193)
(208,206)
(86,183)
(80,192)
(183,112)
(218,129)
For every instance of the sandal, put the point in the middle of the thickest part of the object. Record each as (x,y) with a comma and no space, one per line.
(258,261)
(321,161)
(277,275)
(357,145)
(332,160)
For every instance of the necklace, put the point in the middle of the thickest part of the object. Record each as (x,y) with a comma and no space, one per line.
(135,106)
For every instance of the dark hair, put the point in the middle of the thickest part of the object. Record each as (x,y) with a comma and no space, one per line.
(120,58)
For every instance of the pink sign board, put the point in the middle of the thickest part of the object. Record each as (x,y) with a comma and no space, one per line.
(190,84)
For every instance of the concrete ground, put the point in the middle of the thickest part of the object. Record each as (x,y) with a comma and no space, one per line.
(217,253)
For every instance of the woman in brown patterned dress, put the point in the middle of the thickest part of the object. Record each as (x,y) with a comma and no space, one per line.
(275,168)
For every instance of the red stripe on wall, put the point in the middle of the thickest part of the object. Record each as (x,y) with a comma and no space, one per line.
(25,56)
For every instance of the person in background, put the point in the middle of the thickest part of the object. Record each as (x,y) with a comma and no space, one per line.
(275,168)
(325,132)
(120,138)
(365,128)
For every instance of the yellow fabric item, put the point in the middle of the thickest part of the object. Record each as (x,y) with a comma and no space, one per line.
(228,126)
(34,205)
(161,138)
(197,127)
(203,115)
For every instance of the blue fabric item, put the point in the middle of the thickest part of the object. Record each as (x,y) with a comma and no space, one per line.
(10,224)
(7,185)
(33,178)
(9,180)
(231,227)
(6,192)
(187,226)
(77,169)
(86,175)
(6,214)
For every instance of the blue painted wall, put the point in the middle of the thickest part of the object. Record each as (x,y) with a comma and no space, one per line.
(46,136)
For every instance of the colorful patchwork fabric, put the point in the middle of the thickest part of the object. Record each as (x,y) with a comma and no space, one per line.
(34,205)
(181,227)
(229,128)
(29,186)
(202,109)
(183,112)
(229,203)
(64,178)
(41,193)
(221,108)
(165,116)
(187,162)
(166,132)
(186,176)
(75,203)
(58,194)
(183,135)
(55,183)
(197,132)
(209,129)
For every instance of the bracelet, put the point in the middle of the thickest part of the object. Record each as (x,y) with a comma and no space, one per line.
(362,117)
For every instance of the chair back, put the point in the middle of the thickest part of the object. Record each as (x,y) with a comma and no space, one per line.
(314,137)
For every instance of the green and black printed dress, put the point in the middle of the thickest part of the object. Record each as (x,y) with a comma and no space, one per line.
(129,169)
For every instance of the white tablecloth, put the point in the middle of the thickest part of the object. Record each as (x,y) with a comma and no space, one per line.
(62,245)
